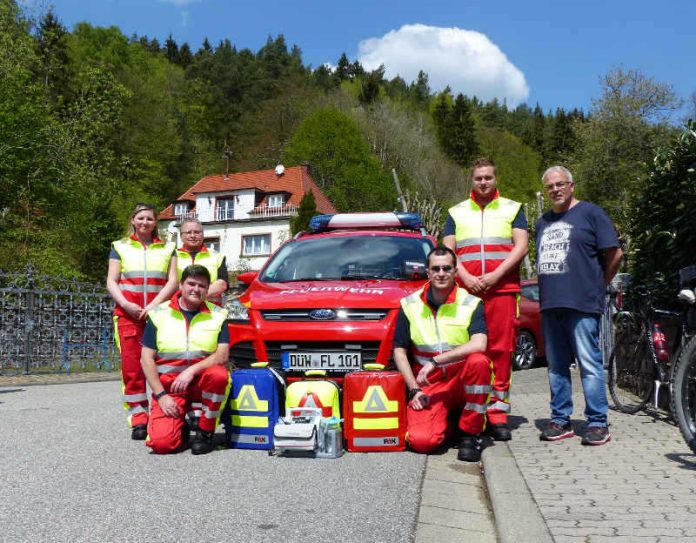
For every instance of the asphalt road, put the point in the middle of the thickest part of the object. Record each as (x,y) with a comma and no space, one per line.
(69,472)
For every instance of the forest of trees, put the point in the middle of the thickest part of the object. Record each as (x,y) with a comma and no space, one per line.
(92,121)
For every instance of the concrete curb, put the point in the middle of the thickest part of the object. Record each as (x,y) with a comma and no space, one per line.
(517,515)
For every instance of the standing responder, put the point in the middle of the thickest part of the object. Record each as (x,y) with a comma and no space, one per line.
(194,251)
(141,275)
(185,349)
(489,235)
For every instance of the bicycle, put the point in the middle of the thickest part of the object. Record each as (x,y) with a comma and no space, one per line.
(683,401)
(636,373)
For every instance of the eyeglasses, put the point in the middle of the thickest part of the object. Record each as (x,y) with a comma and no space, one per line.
(437,269)
(557,186)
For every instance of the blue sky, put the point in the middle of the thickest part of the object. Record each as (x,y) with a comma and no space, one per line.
(550,52)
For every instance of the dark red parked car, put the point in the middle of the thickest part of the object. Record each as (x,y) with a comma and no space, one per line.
(530,344)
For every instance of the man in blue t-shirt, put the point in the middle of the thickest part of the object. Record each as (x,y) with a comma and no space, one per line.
(578,254)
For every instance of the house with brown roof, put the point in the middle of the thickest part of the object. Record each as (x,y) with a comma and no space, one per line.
(246,215)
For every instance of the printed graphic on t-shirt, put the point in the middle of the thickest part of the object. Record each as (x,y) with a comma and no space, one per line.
(553,248)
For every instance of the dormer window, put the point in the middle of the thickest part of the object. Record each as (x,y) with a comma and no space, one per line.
(181,208)
(276,200)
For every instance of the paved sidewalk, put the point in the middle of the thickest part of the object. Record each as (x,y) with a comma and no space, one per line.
(640,487)
(454,506)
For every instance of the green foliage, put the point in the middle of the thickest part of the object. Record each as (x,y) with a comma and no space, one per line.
(517,165)
(615,146)
(455,128)
(308,208)
(663,218)
(341,161)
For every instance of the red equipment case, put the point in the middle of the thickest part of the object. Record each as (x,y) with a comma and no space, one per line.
(374,411)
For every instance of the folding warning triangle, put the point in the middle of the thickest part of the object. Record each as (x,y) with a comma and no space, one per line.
(310,400)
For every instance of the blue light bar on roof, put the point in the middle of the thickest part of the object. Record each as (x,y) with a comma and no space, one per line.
(388,219)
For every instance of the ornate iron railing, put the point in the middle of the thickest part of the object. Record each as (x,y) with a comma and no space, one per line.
(53,324)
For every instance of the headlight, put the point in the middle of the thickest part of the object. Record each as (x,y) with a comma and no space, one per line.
(237,312)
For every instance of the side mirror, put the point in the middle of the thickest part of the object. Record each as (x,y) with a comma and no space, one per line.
(413,271)
(247,277)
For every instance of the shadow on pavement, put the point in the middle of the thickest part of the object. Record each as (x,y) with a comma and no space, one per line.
(687,460)
(515,421)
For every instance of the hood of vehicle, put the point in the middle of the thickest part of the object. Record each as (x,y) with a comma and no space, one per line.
(328,294)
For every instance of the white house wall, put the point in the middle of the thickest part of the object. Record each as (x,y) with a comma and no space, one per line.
(244,202)
(230,235)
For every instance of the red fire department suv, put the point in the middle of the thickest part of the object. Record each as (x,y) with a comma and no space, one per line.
(328,298)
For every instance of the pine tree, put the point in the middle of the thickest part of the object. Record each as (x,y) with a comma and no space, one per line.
(308,208)
(52,49)
(343,68)
(462,146)
(171,50)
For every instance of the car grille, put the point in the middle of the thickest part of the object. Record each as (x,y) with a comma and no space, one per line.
(242,355)
(299,315)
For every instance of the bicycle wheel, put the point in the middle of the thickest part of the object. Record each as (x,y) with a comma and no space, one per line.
(684,394)
(631,376)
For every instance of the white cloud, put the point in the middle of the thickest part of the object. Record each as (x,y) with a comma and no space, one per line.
(466,60)
(180,2)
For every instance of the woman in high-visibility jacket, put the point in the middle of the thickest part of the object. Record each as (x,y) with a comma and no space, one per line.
(142,274)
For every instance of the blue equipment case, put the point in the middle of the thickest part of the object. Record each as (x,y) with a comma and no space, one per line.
(253,408)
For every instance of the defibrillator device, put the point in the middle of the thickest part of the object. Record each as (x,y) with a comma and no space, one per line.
(253,408)
(374,408)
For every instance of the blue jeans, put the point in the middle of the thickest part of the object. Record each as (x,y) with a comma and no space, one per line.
(569,335)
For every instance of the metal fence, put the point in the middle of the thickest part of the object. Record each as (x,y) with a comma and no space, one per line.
(52,324)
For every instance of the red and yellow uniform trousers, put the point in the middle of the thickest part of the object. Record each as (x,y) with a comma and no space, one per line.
(181,344)
(483,241)
(209,259)
(464,384)
(143,274)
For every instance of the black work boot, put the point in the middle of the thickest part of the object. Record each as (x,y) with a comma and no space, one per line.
(203,442)
(139,432)
(501,432)
(469,448)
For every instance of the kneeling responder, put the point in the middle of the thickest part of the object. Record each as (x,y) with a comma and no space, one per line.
(185,349)
(442,330)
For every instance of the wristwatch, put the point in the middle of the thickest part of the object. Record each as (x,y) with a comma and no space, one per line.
(412,393)
(160,394)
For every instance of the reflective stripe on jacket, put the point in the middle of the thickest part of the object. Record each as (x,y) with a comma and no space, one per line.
(180,343)
(144,269)
(434,334)
(484,238)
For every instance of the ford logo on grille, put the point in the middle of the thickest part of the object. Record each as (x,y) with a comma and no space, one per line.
(322,314)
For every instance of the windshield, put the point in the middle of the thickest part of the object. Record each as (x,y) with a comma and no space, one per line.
(345,258)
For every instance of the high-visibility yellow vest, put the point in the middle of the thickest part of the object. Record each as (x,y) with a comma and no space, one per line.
(484,238)
(434,334)
(144,269)
(208,258)
(181,344)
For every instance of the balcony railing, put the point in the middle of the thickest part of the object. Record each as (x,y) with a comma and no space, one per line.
(287,210)
(226,214)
